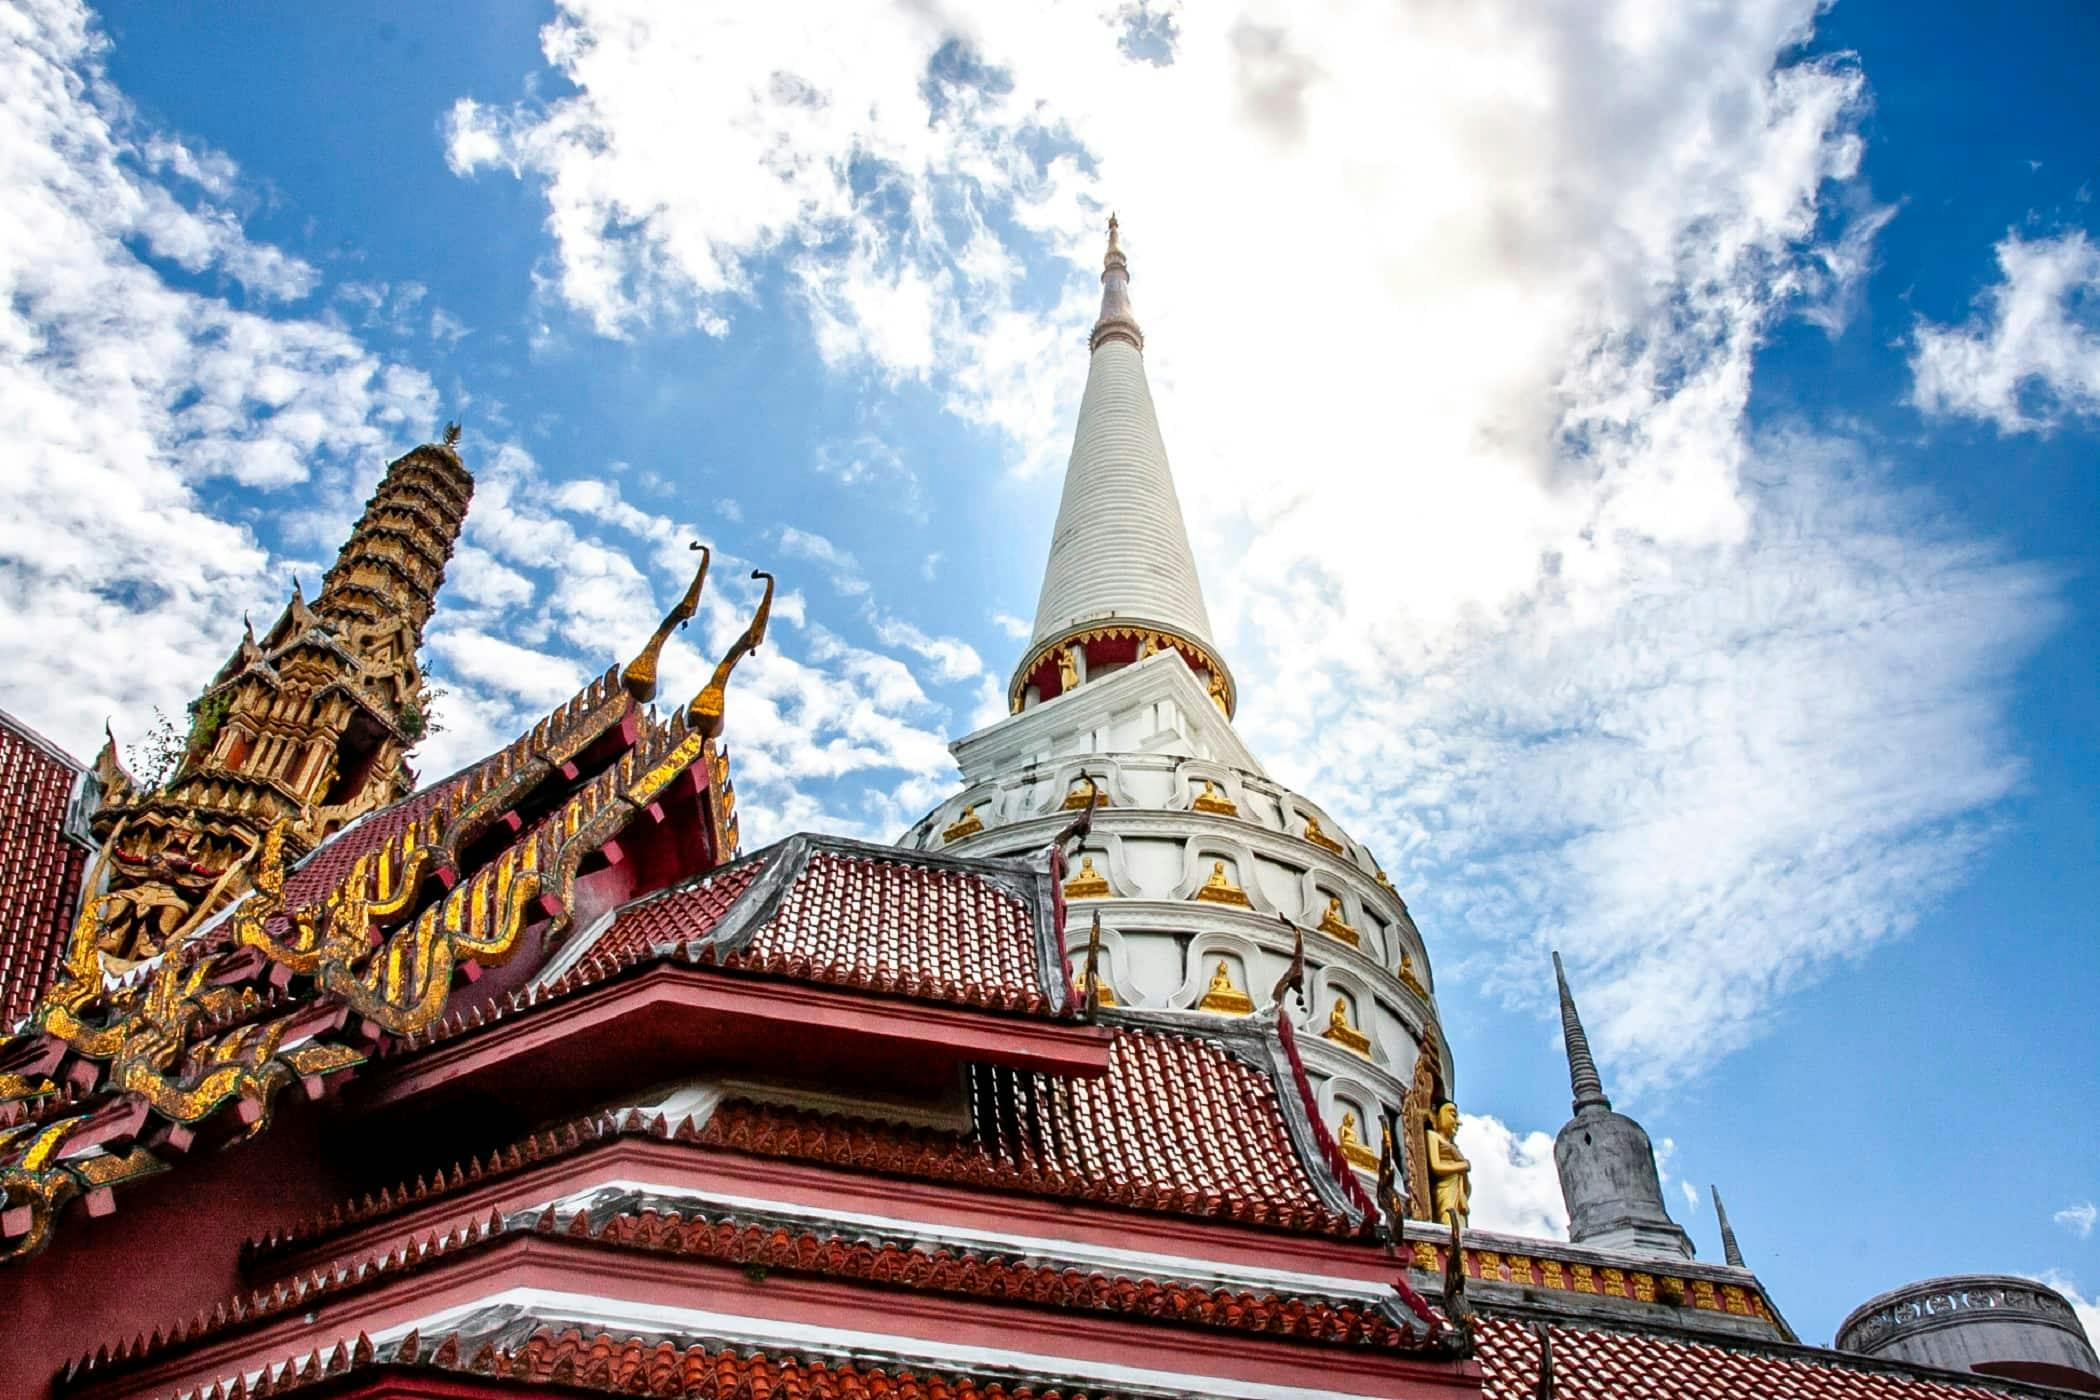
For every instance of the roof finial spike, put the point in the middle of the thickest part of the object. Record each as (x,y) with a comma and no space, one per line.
(1582,1070)
(705,711)
(640,676)
(1114,246)
(452,434)
(1731,1252)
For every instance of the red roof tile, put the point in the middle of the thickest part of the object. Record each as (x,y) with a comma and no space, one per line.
(863,916)
(634,1366)
(40,869)
(1179,1124)
(677,915)
(1598,1365)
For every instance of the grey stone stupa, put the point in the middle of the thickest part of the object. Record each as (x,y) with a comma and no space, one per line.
(1605,1161)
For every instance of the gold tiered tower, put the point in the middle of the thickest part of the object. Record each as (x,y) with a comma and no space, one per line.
(310,725)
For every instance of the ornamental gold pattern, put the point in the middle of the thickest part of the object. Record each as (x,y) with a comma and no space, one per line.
(197,1031)
(1149,640)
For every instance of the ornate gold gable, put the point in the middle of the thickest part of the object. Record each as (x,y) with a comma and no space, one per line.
(200,1032)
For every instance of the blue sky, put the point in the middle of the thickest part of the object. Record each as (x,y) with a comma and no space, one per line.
(1641,461)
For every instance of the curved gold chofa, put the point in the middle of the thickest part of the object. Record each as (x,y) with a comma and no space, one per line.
(704,714)
(639,678)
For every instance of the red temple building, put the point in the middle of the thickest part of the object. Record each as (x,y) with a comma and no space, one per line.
(1120,1075)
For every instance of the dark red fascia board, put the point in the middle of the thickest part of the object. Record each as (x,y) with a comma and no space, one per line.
(825,1305)
(691,1012)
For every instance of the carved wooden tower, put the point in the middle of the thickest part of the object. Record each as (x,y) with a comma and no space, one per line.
(310,725)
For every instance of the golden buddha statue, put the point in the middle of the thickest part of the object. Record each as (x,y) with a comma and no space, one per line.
(1217,693)
(1335,926)
(1450,1174)
(1408,977)
(1222,995)
(1211,800)
(1342,1033)
(1067,671)
(1219,889)
(1087,883)
(1353,1146)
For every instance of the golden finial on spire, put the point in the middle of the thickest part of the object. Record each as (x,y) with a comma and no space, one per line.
(705,712)
(640,676)
(1114,246)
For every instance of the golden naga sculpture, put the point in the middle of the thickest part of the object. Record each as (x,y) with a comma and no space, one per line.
(1450,1174)
(194,1034)
(1222,995)
(1342,1033)
(1335,926)
(1212,801)
(1354,1147)
(1087,882)
(1219,889)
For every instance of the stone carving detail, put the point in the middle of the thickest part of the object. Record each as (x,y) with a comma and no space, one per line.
(1928,1304)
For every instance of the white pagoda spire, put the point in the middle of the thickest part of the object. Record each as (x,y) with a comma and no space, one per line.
(1119,558)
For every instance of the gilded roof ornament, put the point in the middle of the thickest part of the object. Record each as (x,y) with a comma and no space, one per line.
(639,678)
(705,711)
(452,434)
(1293,979)
(1097,995)
(1222,995)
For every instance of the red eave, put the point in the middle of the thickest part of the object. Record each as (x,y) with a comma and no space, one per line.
(692,1017)
(1067,1340)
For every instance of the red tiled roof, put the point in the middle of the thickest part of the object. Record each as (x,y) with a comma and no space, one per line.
(1178,1124)
(633,1366)
(677,915)
(40,869)
(860,916)
(1597,1365)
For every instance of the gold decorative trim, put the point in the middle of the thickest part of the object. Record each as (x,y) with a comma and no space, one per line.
(1222,995)
(965,825)
(1149,639)
(1335,926)
(1210,800)
(1219,889)
(1342,1033)
(1087,882)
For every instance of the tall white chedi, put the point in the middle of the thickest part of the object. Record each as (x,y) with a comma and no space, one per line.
(1201,866)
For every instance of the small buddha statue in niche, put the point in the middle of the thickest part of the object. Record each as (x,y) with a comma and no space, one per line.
(1450,1174)
(1222,995)
(1067,671)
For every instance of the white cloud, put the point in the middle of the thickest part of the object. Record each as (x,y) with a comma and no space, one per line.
(121,395)
(2030,355)
(1467,416)
(1012,626)
(1691,1197)
(2078,1218)
(1516,1189)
